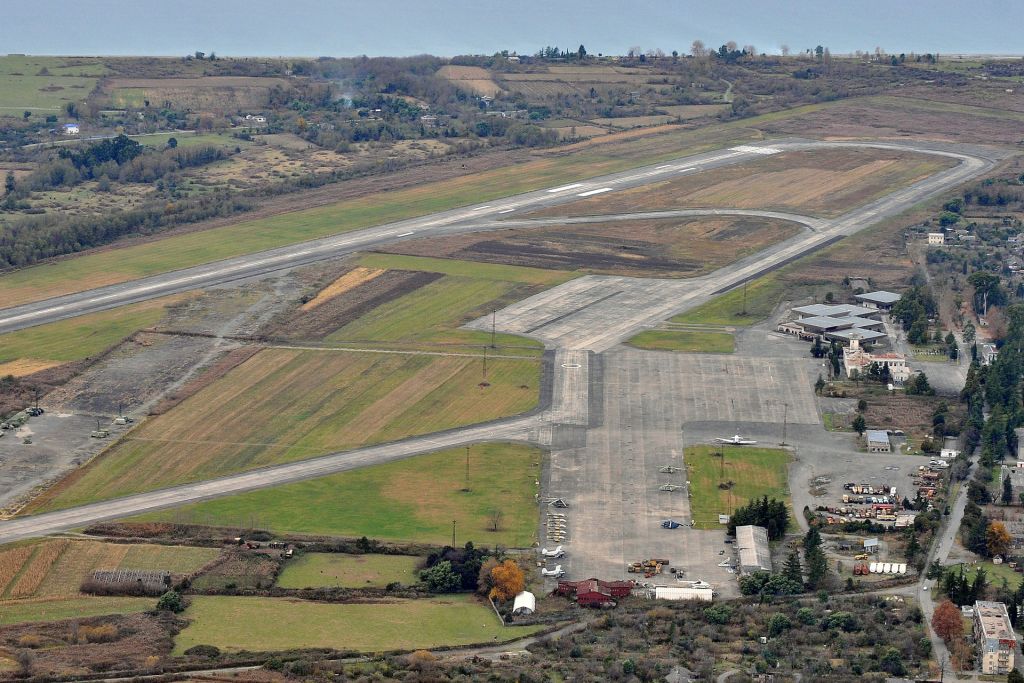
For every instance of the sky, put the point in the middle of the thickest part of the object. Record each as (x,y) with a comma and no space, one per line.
(448,27)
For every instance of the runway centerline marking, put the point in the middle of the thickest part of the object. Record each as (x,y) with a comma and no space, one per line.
(593,192)
(563,188)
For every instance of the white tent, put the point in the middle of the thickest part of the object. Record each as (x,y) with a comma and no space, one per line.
(874,568)
(525,603)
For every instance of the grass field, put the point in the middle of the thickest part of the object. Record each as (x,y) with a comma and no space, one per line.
(159,140)
(754,472)
(288,404)
(586,160)
(684,340)
(78,338)
(762,296)
(414,499)
(314,570)
(24,85)
(236,623)
(79,608)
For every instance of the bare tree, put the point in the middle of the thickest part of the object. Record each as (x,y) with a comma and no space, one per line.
(634,52)
(697,49)
(494,517)
(750,50)
(731,46)
(785,50)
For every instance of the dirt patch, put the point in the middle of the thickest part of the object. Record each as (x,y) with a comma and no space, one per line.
(25,366)
(339,311)
(350,280)
(17,393)
(239,569)
(669,247)
(473,78)
(230,361)
(82,646)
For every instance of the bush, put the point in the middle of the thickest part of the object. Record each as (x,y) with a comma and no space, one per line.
(205,651)
(105,633)
(171,601)
(30,640)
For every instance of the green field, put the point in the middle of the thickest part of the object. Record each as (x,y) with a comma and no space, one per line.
(316,570)
(236,623)
(181,251)
(754,472)
(694,341)
(25,86)
(53,610)
(81,337)
(159,140)
(762,296)
(414,499)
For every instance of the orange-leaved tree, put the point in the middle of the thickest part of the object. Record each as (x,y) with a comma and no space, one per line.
(947,622)
(997,538)
(508,580)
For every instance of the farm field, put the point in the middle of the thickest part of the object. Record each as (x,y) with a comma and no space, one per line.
(230,92)
(693,341)
(40,581)
(473,78)
(610,154)
(238,623)
(414,499)
(693,111)
(753,472)
(283,405)
(37,348)
(824,183)
(44,85)
(680,247)
(186,139)
(634,121)
(314,570)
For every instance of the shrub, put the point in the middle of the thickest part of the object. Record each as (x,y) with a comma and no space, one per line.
(171,601)
(104,633)
(30,640)
(207,651)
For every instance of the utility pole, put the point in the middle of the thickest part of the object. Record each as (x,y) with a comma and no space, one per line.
(785,420)
(494,313)
(744,298)
(467,469)
(453,533)
(485,363)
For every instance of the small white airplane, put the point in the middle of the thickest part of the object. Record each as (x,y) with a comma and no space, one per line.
(670,469)
(557,552)
(670,487)
(737,440)
(556,572)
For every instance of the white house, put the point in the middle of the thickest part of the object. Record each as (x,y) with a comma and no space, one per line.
(936,239)
(71,129)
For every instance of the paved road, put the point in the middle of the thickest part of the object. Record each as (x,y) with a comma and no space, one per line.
(972,161)
(606,325)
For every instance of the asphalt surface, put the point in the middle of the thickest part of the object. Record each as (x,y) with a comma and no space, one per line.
(593,317)
(972,161)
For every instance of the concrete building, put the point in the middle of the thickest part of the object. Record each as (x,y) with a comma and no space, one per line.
(881,299)
(753,549)
(936,239)
(71,129)
(994,635)
(838,322)
(878,441)
(859,360)
(987,353)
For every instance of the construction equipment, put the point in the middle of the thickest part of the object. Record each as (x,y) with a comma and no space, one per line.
(649,568)
(862,556)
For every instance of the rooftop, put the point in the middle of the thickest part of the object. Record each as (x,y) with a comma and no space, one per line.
(752,544)
(857,333)
(994,620)
(879,297)
(877,435)
(834,310)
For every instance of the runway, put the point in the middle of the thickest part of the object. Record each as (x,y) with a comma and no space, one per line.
(585,316)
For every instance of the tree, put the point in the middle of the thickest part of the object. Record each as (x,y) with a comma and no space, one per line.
(1015,677)
(777,624)
(172,143)
(1007,490)
(441,578)
(508,580)
(997,538)
(26,114)
(581,53)
(793,570)
(697,49)
(9,183)
(859,424)
(862,405)
(171,601)
(484,581)
(817,567)
(819,385)
(812,539)
(494,518)
(947,622)
(913,546)
(784,49)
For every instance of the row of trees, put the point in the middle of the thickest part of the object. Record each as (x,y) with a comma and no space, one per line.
(770,514)
(473,569)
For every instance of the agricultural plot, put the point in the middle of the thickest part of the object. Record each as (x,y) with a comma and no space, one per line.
(679,247)
(723,478)
(236,623)
(823,183)
(315,570)
(40,581)
(473,78)
(693,111)
(287,404)
(210,92)
(414,499)
(44,85)
(634,121)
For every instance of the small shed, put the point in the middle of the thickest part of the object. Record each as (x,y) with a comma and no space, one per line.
(525,604)
(871,545)
(878,441)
